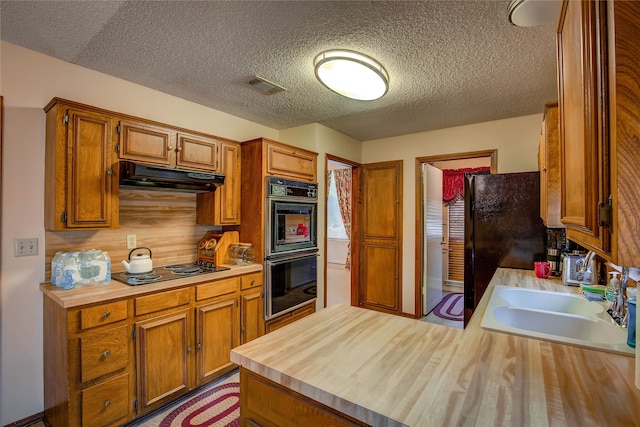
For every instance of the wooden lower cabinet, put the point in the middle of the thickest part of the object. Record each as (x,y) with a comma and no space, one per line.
(163,349)
(290,317)
(106,363)
(266,403)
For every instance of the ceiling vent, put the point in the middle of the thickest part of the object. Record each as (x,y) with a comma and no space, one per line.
(264,86)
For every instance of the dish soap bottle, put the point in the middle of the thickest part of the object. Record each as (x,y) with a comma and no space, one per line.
(613,288)
(631,319)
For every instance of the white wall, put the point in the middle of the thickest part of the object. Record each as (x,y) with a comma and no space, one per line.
(516,140)
(29,80)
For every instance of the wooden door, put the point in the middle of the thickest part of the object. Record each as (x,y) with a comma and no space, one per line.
(147,143)
(164,358)
(583,142)
(251,315)
(228,195)
(196,152)
(92,187)
(217,333)
(381,242)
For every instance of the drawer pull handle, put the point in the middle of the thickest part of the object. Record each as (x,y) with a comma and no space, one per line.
(253,281)
(106,353)
(107,403)
(106,314)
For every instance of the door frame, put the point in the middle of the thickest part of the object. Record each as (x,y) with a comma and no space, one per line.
(419,245)
(355,226)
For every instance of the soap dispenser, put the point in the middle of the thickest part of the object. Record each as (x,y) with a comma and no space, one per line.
(613,288)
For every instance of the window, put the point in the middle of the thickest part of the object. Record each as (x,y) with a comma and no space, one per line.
(335,226)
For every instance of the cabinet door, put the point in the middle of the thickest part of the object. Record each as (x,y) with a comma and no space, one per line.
(164,358)
(549,165)
(217,333)
(584,145)
(228,196)
(197,152)
(381,237)
(289,162)
(91,185)
(251,315)
(147,143)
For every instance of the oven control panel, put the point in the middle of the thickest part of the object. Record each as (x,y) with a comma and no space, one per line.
(280,187)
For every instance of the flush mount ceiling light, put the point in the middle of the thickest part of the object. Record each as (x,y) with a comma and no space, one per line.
(352,74)
(531,13)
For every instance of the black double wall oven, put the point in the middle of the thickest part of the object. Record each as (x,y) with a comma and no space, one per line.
(291,246)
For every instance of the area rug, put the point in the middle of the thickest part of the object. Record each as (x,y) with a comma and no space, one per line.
(218,407)
(451,307)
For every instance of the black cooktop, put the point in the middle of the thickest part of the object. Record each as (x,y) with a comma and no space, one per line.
(167,272)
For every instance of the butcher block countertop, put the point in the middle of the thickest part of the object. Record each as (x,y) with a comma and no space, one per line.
(390,370)
(83,295)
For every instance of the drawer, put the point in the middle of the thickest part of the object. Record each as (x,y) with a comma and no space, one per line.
(162,301)
(103,314)
(217,288)
(251,281)
(106,403)
(104,352)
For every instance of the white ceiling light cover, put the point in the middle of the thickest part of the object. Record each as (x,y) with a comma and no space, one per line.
(531,13)
(352,74)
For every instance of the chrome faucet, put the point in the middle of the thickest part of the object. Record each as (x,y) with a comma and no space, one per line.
(583,266)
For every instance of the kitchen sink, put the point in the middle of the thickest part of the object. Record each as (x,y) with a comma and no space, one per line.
(554,316)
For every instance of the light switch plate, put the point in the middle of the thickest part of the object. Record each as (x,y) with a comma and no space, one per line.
(25,247)
(131,241)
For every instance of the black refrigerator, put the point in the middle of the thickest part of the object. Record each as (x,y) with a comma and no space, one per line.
(502,228)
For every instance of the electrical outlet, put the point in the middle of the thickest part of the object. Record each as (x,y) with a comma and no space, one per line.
(25,247)
(131,241)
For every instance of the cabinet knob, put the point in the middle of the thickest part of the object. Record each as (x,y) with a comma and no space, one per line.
(109,171)
(106,314)
(253,281)
(188,349)
(178,149)
(169,148)
(199,346)
(106,353)
(107,403)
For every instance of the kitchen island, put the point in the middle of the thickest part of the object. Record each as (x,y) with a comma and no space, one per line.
(365,367)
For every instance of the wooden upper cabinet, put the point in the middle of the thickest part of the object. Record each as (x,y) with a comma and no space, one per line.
(289,162)
(81,177)
(599,106)
(146,143)
(549,166)
(197,152)
(158,145)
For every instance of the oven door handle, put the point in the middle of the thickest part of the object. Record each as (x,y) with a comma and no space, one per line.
(276,260)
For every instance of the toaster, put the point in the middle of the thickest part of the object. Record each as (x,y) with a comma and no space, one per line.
(574,272)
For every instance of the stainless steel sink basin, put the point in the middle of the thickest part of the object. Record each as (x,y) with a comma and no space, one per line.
(554,316)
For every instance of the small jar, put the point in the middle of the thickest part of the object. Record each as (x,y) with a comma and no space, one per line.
(631,322)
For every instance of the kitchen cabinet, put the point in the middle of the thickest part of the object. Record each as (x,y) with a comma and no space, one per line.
(217,327)
(222,207)
(88,371)
(290,317)
(549,167)
(599,111)
(149,143)
(81,174)
(289,162)
(251,307)
(109,361)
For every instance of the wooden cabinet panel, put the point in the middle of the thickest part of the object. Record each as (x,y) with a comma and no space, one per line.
(249,281)
(106,403)
(104,352)
(288,318)
(197,152)
(161,301)
(382,197)
(147,143)
(81,187)
(217,288)
(549,166)
(103,314)
(163,349)
(265,403)
(252,315)
(289,162)
(381,287)
(217,333)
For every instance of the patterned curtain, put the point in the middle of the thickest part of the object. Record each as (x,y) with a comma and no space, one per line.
(453,183)
(342,179)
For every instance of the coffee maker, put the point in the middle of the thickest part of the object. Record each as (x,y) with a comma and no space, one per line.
(557,244)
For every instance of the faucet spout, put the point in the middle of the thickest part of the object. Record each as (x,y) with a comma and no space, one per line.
(618,309)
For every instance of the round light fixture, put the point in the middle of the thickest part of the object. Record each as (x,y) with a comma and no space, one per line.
(351,74)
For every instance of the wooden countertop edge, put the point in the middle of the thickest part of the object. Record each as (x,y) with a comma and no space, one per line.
(82,295)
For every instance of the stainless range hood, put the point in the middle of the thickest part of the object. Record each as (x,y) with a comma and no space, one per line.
(151,177)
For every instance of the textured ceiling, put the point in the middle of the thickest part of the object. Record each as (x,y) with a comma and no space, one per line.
(450,62)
